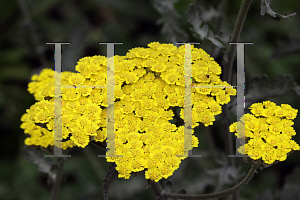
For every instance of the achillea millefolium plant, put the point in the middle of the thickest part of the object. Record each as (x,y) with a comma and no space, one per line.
(148,81)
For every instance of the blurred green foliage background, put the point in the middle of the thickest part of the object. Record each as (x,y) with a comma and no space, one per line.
(26,25)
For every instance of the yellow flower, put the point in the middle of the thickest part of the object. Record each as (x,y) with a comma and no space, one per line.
(255,142)
(252,125)
(276,128)
(279,155)
(207,118)
(293,145)
(245,149)
(148,81)
(287,122)
(290,131)
(153,174)
(272,140)
(222,98)
(256,153)
(290,114)
(159,67)
(268,112)
(233,127)
(278,111)
(268,104)
(154,45)
(42,117)
(215,68)
(203,89)
(269,136)
(79,139)
(124,170)
(257,109)
(286,107)
(76,79)
(269,157)
(273,120)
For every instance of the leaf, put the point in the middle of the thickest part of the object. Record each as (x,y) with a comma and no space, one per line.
(109,177)
(216,41)
(262,88)
(38,158)
(226,174)
(169,20)
(197,15)
(265,8)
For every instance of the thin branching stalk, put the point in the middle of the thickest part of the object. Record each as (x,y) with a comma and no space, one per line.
(157,189)
(57,180)
(227,76)
(228,71)
(235,38)
(217,194)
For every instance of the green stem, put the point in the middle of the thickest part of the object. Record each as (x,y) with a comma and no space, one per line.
(228,71)
(217,194)
(156,188)
(235,37)
(57,180)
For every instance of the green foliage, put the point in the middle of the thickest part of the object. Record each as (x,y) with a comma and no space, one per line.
(202,31)
(265,8)
(169,20)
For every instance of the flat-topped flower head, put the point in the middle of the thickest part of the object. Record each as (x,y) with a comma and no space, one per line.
(268,135)
(147,82)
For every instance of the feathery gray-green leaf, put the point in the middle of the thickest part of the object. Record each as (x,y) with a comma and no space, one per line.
(265,8)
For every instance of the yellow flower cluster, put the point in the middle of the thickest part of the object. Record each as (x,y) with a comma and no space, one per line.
(148,81)
(268,132)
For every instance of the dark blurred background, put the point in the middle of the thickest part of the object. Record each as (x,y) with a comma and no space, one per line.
(26,25)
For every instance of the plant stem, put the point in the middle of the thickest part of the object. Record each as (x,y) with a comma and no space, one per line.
(217,194)
(156,188)
(228,71)
(235,37)
(57,180)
